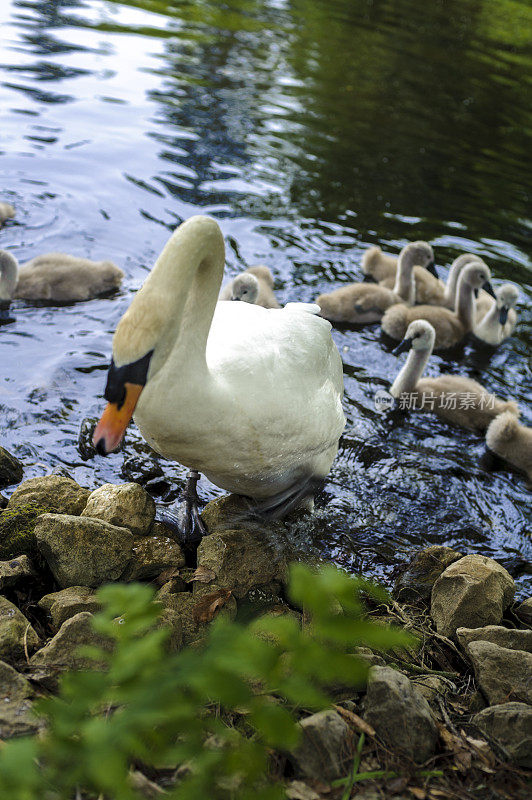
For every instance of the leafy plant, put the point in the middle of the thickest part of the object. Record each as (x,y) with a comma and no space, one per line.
(159,710)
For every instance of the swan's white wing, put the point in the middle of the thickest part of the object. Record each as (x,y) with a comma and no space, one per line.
(309,308)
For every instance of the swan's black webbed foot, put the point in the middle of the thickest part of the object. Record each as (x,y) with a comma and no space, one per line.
(185,520)
(279,505)
(5,316)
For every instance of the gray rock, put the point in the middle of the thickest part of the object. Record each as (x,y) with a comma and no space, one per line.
(501,674)
(433,687)
(416,582)
(81,551)
(510,727)
(524,612)
(65,604)
(400,714)
(241,560)
(15,632)
(53,493)
(17,530)
(11,469)
(85,445)
(326,747)
(471,593)
(153,555)
(173,622)
(16,718)
(496,634)
(367,655)
(141,469)
(127,505)
(15,571)
(62,651)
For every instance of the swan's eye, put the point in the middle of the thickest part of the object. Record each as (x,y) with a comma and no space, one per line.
(117,377)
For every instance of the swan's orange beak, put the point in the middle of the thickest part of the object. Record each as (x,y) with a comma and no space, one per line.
(110,430)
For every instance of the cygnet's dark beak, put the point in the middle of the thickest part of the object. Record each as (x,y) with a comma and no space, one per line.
(503,315)
(475,292)
(432,269)
(405,345)
(236,299)
(488,288)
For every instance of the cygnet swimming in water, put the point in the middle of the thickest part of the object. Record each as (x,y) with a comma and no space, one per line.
(254,285)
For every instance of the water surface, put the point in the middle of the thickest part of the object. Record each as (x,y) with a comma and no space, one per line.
(311,130)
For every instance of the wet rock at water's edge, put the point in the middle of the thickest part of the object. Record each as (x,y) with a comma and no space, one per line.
(16,633)
(127,505)
(504,637)
(510,727)
(16,571)
(471,593)
(53,493)
(400,714)
(62,651)
(85,445)
(36,496)
(81,551)
(524,612)
(16,693)
(11,469)
(66,603)
(501,674)
(141,469)
(416,582)
(153,555)
(325,748)
(241,560)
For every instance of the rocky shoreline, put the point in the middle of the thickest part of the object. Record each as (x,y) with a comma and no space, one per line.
(460,704)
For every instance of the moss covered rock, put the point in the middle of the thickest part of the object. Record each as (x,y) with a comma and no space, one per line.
(16,633)
(16,718)
(54,493)
(17,530)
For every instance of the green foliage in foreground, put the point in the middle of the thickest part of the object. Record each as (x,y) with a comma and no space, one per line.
(162,710)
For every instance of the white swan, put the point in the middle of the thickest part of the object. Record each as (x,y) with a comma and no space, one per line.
(248,396)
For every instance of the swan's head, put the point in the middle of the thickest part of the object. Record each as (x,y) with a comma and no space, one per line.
(507,297)
(478,276)
(245,287)
(419,254)
(420,335)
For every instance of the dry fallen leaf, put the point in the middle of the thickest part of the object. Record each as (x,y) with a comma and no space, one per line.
(203,574)
(355,720)
(205,610)
(166,575)
(420,794)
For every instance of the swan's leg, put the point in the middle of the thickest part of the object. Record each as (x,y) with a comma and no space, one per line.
(185,520)
(5,316)
(299,495)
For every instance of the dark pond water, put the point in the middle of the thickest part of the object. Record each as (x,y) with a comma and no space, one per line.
(310,129)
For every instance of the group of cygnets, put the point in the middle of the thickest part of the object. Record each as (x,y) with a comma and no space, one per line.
(406,296)
(414,306)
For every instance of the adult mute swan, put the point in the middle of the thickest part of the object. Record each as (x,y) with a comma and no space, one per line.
(248,396)
(364,303)
(254,285)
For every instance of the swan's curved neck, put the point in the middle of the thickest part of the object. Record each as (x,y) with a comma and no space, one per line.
(452,283)
(465,304)
(490,321)
(411,372)
(405,285)
(8,275)
(176,302)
